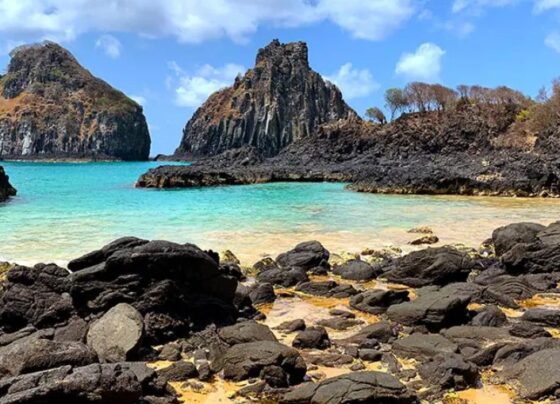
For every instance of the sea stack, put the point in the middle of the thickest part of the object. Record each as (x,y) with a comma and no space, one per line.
(277,102)
(6,189)
(53,108)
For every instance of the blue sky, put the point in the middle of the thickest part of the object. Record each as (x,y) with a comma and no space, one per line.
(170,54)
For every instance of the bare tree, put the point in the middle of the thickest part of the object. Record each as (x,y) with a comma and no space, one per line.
(420,95)
(443,97)
(396,100)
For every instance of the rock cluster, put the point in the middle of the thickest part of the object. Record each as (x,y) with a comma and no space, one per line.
(6,189)
(275,103)
(53,108)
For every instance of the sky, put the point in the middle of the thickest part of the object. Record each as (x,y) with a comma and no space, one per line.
(169,55)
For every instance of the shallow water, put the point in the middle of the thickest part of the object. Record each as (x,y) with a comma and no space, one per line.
(66,209)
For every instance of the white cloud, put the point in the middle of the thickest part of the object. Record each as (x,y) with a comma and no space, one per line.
(424,64)
(195,21)
(545,5)
(193,89)
(478,5)
(354,83)
(139,99)
(553,41)
(110,45)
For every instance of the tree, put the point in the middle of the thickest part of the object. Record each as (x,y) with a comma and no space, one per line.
(396,100)
(376,115)
(419,95)
(443,97)
(463,91)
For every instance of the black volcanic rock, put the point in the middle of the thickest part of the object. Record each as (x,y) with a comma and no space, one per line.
(277,102)
(6,189)
(51,107)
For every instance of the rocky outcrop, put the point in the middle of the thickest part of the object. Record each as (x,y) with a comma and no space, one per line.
(53,108)
(275,103)
(6,189)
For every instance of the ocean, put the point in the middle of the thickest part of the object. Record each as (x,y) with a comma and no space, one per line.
(64,210)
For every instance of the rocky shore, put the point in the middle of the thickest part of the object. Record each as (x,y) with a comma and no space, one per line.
(6,189)
(156,322)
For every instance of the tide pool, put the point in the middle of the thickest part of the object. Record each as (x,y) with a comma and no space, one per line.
(66,209)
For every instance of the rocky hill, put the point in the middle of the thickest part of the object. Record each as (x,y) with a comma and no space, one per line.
(279,101)
(6,189)
(51,107)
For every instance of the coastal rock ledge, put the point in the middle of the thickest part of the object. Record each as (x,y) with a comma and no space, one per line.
(6,189)
(53,108)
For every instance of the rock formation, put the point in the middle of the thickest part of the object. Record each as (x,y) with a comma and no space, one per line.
(277,102)
(51,107)
(6,189)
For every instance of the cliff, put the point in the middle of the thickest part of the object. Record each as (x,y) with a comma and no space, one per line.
(51,107)
(6,189)
(279,101)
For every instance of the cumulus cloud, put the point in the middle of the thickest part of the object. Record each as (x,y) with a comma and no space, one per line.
(195,21)
(545,5)
(193,89)
(424,64)
(110,45)
(354,83)
(552,40)
(478,5)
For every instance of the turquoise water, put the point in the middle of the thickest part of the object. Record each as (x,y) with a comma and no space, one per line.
(65,209)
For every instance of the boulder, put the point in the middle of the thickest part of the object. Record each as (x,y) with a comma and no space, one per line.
(528,330)
(6,189)
(247,331)
(422,346)
(432,266)
(449,371)
(339,323)
(327,289)
(546,317)
(535,377)
(283,277)
(292,326)
(506,237)
(425,240)
(382,332)
(117,334)
(178,372)
(244,361)
(490,316)
(433,308)
(356,270)
(376,301)
(261,293)
(312,337)
(306,256)
(357,387)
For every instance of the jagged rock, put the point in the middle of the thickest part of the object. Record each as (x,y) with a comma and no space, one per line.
(536,376)
(258,293)
(278,101)
(432,266)
(382,332)
(6,189)
(312,337)
(247,331)
(339,323)
(358,387)
(117,334)
(35,353)
(377,301)
(327,289)
(421,346)
(244,361)
(428,239)
(54,108)
(528,330)
(306,255)
(126,383)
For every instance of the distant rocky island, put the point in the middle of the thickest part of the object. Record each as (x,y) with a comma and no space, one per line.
(279,101)
(6,189)
(470,141)
(53,108)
